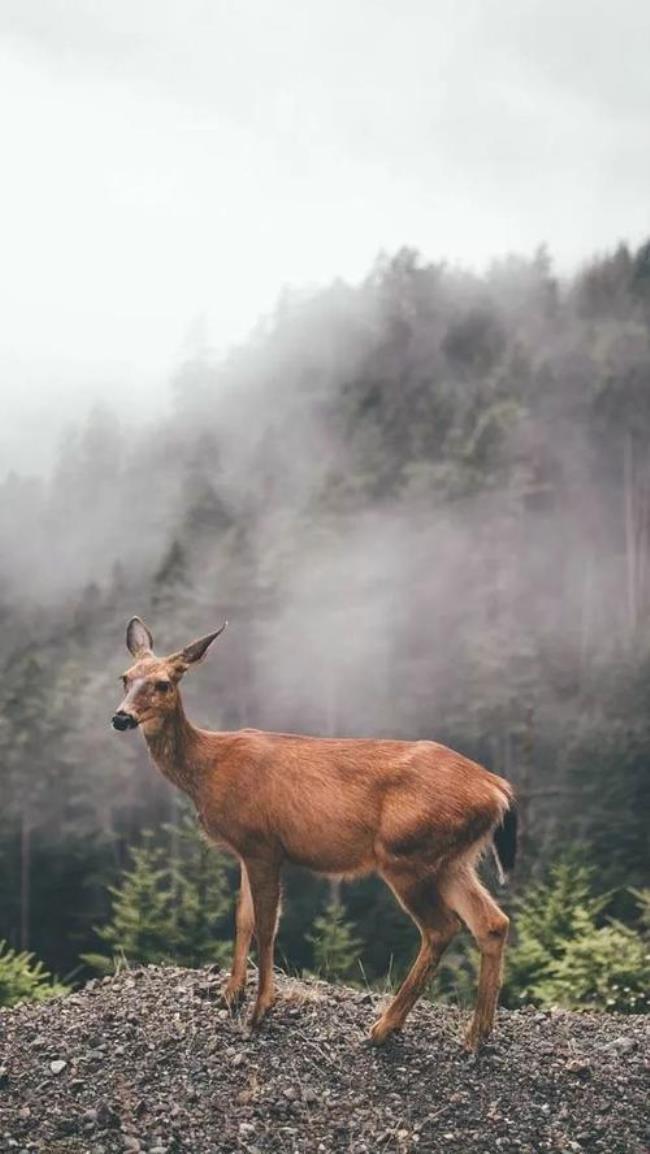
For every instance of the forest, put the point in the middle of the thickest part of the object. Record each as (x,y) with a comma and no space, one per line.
(423,504)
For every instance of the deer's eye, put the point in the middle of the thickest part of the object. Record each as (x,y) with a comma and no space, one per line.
(163,686)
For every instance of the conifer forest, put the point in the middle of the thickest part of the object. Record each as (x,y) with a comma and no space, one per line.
(423,504)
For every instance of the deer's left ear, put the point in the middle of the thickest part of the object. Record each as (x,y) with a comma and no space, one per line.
(196,650)
(139,641)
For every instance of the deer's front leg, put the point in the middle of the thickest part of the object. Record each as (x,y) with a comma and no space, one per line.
(244,926)
(264,878)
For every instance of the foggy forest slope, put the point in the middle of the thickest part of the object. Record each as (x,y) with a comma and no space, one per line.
(423,503)
(147,1061)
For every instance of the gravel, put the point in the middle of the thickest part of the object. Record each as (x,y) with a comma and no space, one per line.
(148,1062)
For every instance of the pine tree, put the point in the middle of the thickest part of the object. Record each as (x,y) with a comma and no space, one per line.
(202,898)
(336,947)
(141,925)
(170,904)
(547,916)
(568,954)
(24,979)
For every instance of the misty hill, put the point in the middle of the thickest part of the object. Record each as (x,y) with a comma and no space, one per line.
(423,502)
(148,1062)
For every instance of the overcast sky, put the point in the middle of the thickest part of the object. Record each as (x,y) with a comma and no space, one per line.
(167,160)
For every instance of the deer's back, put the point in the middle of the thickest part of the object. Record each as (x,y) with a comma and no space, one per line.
(342,805)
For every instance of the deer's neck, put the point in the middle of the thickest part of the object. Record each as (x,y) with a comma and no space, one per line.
(177,748)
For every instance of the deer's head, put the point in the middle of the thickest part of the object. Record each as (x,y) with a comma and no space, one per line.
(151,683)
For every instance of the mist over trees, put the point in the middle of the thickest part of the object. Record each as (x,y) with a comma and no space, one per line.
(422,502)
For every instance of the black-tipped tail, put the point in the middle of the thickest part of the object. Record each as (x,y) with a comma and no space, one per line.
(505,840)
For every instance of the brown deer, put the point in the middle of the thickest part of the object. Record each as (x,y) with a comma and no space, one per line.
(414,812)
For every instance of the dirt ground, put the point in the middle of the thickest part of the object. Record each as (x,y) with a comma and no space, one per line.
(149,1061)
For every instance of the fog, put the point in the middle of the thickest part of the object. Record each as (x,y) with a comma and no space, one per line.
(164,164)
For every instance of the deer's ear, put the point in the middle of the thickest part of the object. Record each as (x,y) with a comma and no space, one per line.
(196,650)
(139,641)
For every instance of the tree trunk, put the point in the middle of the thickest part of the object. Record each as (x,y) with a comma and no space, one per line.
(630,533)
(25,880)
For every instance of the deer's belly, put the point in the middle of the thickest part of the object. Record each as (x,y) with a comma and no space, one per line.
(328,842)
(345,857)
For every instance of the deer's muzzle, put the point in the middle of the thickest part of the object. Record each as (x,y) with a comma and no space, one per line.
(122,720)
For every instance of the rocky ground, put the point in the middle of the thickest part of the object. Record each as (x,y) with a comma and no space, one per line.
(148,1061)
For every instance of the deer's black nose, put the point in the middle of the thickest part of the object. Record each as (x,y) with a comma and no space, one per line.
(122,720)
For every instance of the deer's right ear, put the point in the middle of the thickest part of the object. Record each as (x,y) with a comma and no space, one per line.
(139,641)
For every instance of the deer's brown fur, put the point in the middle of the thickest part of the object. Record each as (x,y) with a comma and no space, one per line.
(416,813)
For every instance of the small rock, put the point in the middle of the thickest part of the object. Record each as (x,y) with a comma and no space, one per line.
(579,1066)
(238,1059)
(622,1045)
(246,1129)
(107,1118)
(58,1065)
(131,1143)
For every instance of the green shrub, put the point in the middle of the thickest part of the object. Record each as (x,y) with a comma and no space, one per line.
(606,969)
(566,953)
(169,905)
(24,979)
(642,898)
(336,947)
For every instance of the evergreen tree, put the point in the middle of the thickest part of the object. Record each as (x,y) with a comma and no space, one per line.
(336,947)
(566,953)
(168,908)
(24,979)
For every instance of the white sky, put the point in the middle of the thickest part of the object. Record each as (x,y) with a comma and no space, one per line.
(164,160)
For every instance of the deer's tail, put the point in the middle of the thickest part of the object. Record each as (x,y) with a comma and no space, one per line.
(504,842)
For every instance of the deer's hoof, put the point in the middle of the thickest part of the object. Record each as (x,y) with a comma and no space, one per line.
(233,996)
(382,1031)
(260,1011)
(473,1040)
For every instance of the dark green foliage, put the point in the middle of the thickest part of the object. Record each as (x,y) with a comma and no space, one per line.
(171,904)
(336,946)
(567,953)
(604,968)
(24,979)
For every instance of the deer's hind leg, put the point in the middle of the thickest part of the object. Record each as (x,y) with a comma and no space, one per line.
(244,927)
(437,924)
(489,927)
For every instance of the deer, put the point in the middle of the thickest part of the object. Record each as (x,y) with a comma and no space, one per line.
(417,814)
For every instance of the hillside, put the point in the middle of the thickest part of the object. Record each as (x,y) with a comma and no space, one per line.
(147,1061)
(423,503)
